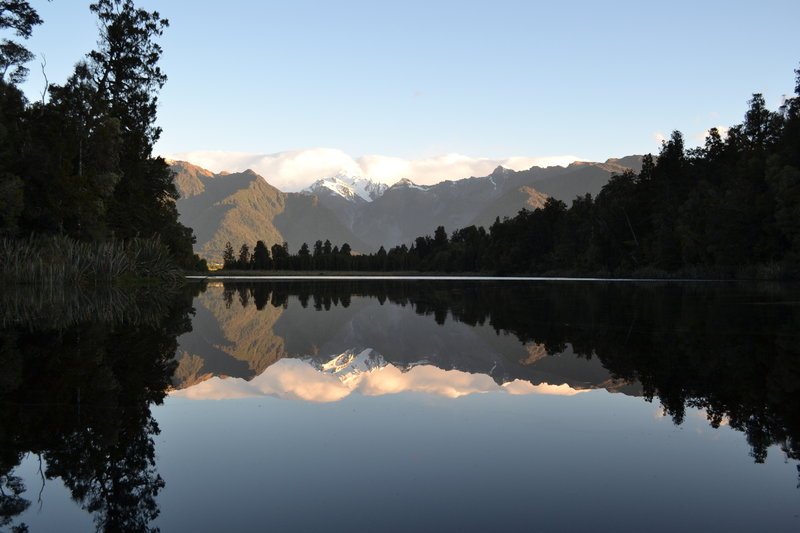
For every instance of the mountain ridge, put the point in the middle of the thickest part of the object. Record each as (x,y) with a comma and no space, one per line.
(353,188)
(242,207)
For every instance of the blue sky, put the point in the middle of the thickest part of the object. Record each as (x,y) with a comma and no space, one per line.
(415,80)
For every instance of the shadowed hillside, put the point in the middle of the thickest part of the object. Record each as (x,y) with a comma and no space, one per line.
(243,208)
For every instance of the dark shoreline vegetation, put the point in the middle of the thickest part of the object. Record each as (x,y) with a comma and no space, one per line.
(727,210)
(82,369)
(54,259)
(81,195)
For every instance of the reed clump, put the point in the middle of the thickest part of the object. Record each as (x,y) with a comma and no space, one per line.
(55,259)
(55,306)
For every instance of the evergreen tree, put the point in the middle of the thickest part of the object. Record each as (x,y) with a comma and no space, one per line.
(12,108)
(280,255)
(380,261)
(126,78)
(304,257)
(81,164)
(20,17)
(244,257)
(261,260)
(440,237)
(228,259)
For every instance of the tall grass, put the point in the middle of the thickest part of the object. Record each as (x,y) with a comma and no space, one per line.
(59,306)
(53,259)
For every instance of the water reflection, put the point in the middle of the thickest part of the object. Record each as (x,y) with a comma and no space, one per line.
(365,373)
(81,370)
(731,350)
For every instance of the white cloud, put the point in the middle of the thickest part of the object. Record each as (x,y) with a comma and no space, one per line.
(289,171)
(295,170)
(660,138)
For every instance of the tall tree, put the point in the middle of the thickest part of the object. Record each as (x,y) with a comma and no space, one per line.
(126,77)
(244,257)
(261,259)
(20,17)
(280,255)
(304,257)
(228,259)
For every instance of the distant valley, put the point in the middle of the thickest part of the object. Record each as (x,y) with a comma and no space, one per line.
(243,207)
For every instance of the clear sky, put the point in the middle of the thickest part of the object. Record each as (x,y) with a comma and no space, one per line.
(415,80)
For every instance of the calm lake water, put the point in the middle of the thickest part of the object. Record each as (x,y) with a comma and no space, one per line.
(402,405)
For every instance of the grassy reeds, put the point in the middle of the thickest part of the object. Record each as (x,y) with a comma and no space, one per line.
(61,306)
(49,260)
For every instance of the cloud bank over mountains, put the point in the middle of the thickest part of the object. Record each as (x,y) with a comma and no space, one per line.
(295,170)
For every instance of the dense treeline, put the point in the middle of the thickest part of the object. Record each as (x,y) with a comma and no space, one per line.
(728,209)
(324,256)
(79,164)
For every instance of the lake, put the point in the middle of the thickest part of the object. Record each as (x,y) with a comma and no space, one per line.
(402,405)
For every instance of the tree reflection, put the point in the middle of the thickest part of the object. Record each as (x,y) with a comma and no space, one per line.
(11,501)
(78,394)
(729,349)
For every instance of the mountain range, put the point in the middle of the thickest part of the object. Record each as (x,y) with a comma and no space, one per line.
(243,207)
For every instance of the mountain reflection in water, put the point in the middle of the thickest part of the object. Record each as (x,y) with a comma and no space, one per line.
(82,370)
(295,379)
(729,349)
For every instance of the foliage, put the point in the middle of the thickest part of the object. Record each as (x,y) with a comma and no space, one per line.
(80,165)
(49,260)
(77,391)
(19,16)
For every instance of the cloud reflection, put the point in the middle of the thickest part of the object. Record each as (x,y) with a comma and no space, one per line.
(295,379)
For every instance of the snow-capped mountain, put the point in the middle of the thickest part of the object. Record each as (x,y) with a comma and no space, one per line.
(352,188)
(348,365)
(407,183)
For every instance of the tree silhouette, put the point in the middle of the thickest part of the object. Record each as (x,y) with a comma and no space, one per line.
(244,257)
(81,163)
(261,260)
(82,402)
(228,259)
(20,17)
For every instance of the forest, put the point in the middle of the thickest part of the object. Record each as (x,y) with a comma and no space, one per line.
(728,209)
(78,178)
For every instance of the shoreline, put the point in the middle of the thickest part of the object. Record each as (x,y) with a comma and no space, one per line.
(435,277)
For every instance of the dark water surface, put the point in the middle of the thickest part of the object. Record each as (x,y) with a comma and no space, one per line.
(396,405)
